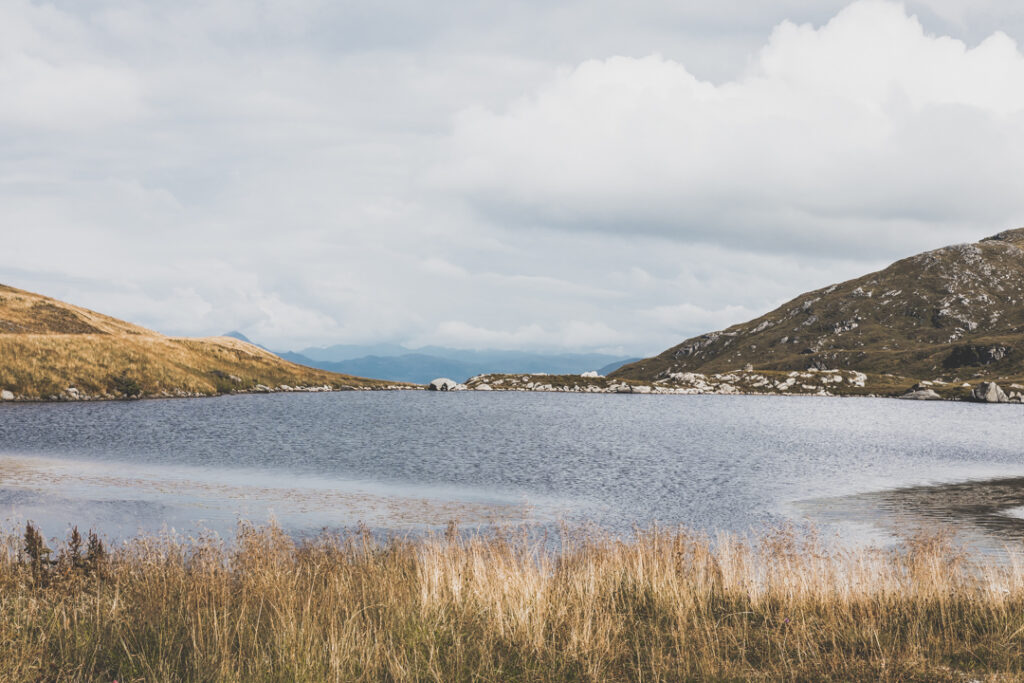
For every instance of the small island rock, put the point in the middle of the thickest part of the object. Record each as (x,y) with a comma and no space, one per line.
(442,384)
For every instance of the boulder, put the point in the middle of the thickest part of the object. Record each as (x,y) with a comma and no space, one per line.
(922,395)
(6,395)
(442,384)
(988,392)
(483,387)
(592,374)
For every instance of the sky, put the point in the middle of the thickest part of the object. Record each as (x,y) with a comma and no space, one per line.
(557,175)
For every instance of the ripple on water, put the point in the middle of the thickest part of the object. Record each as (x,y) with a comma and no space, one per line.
(403,459)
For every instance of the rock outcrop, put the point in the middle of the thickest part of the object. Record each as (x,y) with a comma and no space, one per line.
(989,392)
(922,395)
(442,384)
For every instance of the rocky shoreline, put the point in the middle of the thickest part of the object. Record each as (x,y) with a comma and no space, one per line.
(810,382)
(745,382)
(72,394)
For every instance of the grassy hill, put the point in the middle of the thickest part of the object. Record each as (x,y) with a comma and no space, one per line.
(48,347)
(955,313)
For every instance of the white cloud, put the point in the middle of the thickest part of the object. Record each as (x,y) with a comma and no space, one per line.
(50,78)
(277,167)
(573,334)
(864,130)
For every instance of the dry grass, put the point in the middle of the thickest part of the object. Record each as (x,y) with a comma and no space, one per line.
(47,346)
(667,606)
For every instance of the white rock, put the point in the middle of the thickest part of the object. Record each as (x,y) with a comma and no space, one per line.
(6,395)
(988,392)
(922,395)
(592,373)
(483,387)
(442,384)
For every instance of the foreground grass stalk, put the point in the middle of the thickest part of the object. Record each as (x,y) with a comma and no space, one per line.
(666,606)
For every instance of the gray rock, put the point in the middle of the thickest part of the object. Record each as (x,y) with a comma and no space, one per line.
(988,392)
(483,387)
(6,395)
(922,395)
(442,384)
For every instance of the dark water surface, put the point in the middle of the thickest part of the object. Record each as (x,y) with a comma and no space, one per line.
(402,460)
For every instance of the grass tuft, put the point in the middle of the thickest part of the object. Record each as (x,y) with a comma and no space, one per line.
(664,606)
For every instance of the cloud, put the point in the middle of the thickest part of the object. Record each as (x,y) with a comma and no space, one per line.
(573,334)
(485,173)
(864,130)
(50,78)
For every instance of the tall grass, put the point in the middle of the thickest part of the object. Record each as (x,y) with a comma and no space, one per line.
(666,606)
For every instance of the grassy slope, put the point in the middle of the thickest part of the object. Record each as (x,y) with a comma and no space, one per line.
(666,607)
(906,319)
(47,346)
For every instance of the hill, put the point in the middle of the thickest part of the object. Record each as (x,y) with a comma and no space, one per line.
(949,314)
(53,350)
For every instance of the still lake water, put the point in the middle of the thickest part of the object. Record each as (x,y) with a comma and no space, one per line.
(404,461)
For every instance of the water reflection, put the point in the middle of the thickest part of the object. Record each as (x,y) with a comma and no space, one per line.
(125,499)
(988,514)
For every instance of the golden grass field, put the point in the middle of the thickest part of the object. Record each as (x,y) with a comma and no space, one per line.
(47,346)
(667,606)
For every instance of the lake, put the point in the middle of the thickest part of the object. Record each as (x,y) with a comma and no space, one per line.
(865,469)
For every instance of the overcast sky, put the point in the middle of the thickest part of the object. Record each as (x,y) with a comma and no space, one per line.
(590,175)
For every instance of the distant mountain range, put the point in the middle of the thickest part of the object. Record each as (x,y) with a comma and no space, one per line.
(399,364)
(951,313)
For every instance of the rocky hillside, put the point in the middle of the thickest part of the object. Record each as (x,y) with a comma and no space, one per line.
(53,350)
(951,314)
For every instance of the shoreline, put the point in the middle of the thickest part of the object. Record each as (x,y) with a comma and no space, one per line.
(79,397)
(630,388)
